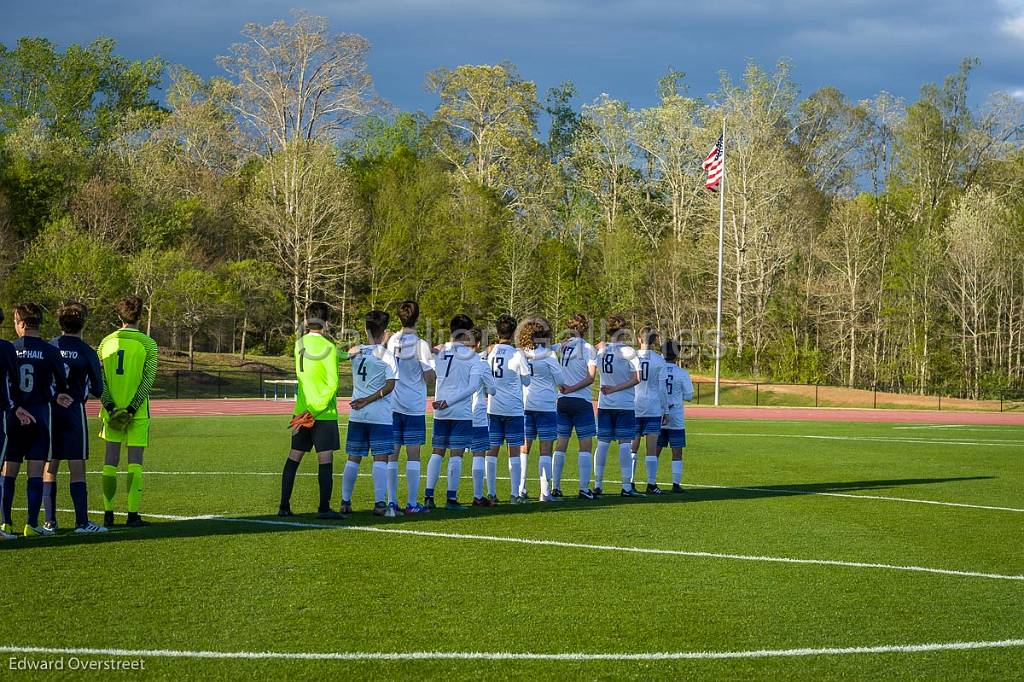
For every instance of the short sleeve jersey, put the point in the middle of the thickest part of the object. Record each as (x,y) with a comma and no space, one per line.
(546,376)
(372,367)
(577,357)
(616,364)
(412,357)
(508,367)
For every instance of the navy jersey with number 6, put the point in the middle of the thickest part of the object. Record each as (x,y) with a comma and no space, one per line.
(82,364)
(39,372)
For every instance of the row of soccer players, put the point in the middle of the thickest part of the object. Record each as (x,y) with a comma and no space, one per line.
(523,388)
(44,387)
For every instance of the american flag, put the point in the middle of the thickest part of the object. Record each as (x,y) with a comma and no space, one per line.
(714,164)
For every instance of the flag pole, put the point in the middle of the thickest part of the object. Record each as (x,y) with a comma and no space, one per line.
(721,251)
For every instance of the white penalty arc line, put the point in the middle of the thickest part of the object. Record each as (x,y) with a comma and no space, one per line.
(580,545)
(515,655)
(780,491)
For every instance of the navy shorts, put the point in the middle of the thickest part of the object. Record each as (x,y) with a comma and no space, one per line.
(481,439)
(576,413)
(410,429)
(646,426)
(323,436)
(452,434)
(363,438)
(543,425)
(506,429)
(30,443)
(617,425)
(675,438)
(70,432)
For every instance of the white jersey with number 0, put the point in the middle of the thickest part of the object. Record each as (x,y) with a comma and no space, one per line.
(511,373)
(616,365)
(649,395)
(413,357)
(372,366)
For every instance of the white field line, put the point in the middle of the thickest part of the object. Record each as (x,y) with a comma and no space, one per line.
(874,439)
(585,546)
(781,491)
(514,655)
(932,426)
(966,427)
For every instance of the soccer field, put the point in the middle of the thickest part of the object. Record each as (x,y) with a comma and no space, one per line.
(800,549)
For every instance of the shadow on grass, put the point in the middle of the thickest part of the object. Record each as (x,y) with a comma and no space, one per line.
(249,525)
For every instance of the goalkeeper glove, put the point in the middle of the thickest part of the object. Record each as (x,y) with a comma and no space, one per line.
(302,421)
(118,420)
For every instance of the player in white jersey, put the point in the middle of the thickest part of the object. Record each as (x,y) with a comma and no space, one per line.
(575,405)
(539,398)
(369,423)
(679,389)
(651,406)
(505,409)
(484,466)
(459,377)
(415,360)
(619,370)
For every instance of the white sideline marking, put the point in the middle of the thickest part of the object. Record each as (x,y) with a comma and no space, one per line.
(875,439)
(932,426)
(516,655)
(782,491)
(580,545)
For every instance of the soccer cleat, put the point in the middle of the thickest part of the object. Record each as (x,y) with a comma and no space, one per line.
(108,519)
(135,521)
(493,499)
(329,514)
(345,508)
(524,496)
(544,498)
(7,528)
(630,492)
(517,499)
(37,532)
(284,511)
(51,526)
(586,494)
(380,509)
(389,512)
(597,492)
(415,509)
(556,492)
(4,535)
(676,488)
(479,501)
(428,503)
(90,527)
(453,504)
(653,489)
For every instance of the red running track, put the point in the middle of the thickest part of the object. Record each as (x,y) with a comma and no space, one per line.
(249,406)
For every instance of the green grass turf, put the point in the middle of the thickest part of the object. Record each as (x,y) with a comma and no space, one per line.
(226,586)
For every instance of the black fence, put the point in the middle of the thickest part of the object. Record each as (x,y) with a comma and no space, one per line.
(202,383)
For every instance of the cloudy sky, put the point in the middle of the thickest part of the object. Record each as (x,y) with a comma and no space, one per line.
(616,46)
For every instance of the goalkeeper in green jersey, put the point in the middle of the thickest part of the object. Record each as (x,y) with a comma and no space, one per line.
(315,425)
(129,360)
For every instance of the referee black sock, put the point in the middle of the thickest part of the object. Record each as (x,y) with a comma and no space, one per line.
(325,476)
(288,482)
(9,484)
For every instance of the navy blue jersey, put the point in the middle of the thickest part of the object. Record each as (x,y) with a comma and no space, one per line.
(39,372)
(7,361)
(82,366)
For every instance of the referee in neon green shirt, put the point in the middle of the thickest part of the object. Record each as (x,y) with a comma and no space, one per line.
(316,368)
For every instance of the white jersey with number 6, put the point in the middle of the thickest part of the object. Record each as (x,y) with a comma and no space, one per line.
(372,366)
(679,389)
(511,373)
(616,365)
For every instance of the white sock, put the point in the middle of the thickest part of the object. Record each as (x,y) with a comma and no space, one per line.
(454,474)
(412,479)
(433,471)
(478,477)
(348,480)
(632,465)
(380,481)
(625,465)
(557,466)
(600,458)
(491,473)
(585,465)
(514,474)
(677,471)
(393,482)
(525,469)
(545,475)
(652,470)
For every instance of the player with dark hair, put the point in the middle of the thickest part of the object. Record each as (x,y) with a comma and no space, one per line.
(540,397)
(485,467)
(414,359)
(7,374)
(679,389)
(370,424)
(315,421)
(70,426)
(39,370)
(129,358)
(505,409)
(576,405)
(651,406)
(616,421)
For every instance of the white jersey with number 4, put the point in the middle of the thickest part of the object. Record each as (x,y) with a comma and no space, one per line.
(578,357)
(372,366)
(546,376)
(679,389)
(511,373)
(413,357)
(616,365)
(650,397)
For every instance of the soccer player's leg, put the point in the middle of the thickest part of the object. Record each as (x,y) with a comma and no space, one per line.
(515,437)
(480,446)
(529,436)
(676,438)
(605,436)
(6,529)
(302,442)
(652,428)
(547,432)
(111,460)
(326,440)
(460,439)
(495,436)
(136,437)
(382,445)
(439,443)
(357,446)
(624,428)
(35,443)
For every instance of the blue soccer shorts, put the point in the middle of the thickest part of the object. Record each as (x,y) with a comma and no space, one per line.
(481,439)
(70,431)
(647,426)
(30,443)
(363,438)
(576,413)
(675,438)
(452,434)
(506,429)
(543,425)
(617,425)
(409,429)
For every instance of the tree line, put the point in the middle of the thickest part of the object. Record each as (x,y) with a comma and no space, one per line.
(869,243)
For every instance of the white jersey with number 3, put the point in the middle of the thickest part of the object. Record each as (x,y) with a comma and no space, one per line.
(372,366)
(511,373)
